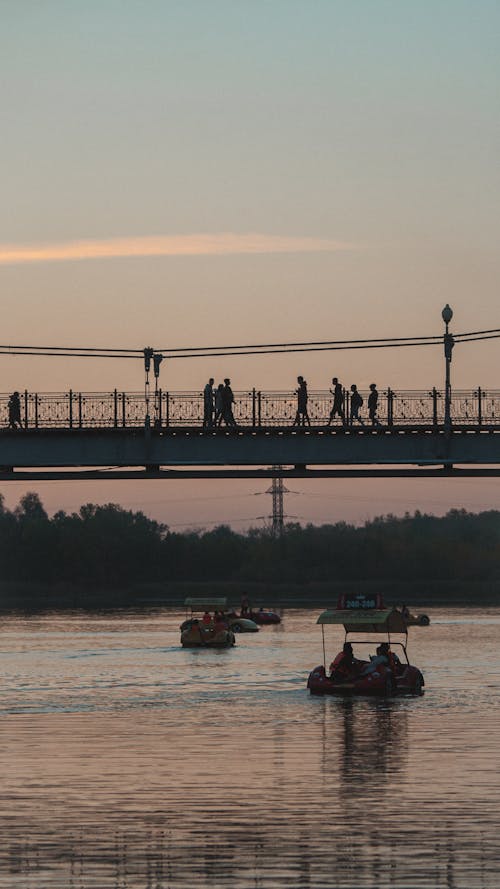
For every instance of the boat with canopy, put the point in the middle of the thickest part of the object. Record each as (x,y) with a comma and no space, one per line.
(367,622)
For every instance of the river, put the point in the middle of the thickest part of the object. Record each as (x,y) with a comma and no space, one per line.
(129,762)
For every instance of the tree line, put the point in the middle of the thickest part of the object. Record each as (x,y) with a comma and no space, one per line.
(112,548)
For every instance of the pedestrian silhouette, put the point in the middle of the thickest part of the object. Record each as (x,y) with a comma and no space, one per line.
(227,403)
(208,404)
(15,411)
(355,404)
(338,401)
(219,404)
(373,404)
(301,417)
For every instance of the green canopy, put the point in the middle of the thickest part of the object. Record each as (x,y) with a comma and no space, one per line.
(373,620)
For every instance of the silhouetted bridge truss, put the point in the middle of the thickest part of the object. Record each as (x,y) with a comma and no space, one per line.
(116,435)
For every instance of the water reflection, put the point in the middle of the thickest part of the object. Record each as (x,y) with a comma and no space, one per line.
(373,741)
(239,778)
(156,860)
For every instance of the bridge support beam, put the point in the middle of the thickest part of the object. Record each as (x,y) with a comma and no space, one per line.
(234,453)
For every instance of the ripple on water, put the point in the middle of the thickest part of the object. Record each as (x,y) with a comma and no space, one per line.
(132,763)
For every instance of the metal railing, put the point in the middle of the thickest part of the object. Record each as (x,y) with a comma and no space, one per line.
(252,409)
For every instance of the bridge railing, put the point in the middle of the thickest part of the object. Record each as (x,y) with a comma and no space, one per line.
(253,409)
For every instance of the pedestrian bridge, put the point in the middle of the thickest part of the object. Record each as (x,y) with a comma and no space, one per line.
(123,435)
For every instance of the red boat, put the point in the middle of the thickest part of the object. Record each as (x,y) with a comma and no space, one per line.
(383,674)
(263,617)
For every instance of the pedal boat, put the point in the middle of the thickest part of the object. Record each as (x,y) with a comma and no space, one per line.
(417,620)
(196,634)
(380,625)
(263,617)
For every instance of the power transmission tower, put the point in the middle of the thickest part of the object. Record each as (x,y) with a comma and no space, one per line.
(277,490)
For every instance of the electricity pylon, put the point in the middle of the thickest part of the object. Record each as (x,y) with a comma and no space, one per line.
(277,490)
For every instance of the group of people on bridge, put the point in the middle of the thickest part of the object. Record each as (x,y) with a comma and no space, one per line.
(338,406)
(218,404)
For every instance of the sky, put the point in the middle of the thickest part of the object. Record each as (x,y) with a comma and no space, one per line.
(194,173)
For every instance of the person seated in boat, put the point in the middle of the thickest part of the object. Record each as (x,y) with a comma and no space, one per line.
(384,656)
(207,619)
(392,658)
(343,665)
(220,621)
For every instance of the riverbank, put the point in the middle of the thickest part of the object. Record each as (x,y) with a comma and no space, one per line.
(48,597)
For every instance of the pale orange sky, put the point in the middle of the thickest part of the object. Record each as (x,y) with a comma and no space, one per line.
(244,172)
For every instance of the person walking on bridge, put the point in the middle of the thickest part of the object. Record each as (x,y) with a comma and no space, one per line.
(15,411)
(373,405)
(355,404)
(338,402)
(208,404)
(219,404)
(227,403)
(301,417)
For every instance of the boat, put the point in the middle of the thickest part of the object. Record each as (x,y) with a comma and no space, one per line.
(383,675)
(240,623)
(416,620)
(196,632)
(264,617)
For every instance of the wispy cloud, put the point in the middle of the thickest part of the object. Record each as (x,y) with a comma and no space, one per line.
(223,244)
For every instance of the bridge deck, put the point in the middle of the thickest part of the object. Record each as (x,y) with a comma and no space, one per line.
(192,451)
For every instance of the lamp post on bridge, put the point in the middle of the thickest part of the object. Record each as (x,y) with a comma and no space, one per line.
(148,355)
(449,342)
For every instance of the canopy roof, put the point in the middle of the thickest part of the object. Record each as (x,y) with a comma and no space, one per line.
(205,604)
(374,620)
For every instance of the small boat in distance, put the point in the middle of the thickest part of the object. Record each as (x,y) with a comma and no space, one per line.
(384,674)
(414,620)
(209,630)
(264,617)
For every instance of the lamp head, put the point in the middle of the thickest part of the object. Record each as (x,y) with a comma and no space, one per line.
(447,314)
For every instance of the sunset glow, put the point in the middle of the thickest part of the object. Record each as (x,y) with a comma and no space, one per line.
(226,243)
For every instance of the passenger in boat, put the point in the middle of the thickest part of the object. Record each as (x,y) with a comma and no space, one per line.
(220,622)
(343,665)
(384,656)
(207,619)
(393,660)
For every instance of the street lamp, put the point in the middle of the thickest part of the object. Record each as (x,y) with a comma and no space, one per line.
(449,342)
(148,356)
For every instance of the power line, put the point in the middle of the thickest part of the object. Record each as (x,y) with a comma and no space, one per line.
(253,349)
(311,343)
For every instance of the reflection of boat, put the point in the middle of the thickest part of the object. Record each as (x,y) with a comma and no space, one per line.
(383,675)
(200,633)
(372,739)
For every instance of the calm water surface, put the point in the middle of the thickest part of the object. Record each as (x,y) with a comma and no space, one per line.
(128,762)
